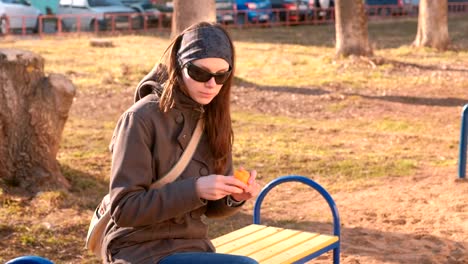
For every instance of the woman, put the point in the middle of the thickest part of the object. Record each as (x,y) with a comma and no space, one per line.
(164,225)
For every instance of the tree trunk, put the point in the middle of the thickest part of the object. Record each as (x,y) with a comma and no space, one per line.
(189,12)
(34,109)
(351,28)
(432,25)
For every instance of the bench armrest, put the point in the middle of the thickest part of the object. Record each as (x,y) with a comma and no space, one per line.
(307,181)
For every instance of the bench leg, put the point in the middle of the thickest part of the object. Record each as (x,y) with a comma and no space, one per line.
(336,255)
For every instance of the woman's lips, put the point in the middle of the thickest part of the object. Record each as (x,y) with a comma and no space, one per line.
(206,94)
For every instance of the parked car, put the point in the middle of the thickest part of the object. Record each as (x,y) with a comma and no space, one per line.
(322,8)
(456,6)
(167,9)
(292,10)
(16,14)
(86,15)
(146,10)
(253,11)
(225,11)
(389,7)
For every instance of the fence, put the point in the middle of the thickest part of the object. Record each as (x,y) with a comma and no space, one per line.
(142,22)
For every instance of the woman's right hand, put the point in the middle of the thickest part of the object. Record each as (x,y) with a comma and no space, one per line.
(214,187)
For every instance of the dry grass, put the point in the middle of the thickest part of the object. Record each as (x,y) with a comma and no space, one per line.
(348,123)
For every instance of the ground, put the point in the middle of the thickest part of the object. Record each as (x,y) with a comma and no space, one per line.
(417,219)
(380,134)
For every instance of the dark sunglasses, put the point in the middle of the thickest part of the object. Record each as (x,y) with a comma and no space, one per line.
(202,75)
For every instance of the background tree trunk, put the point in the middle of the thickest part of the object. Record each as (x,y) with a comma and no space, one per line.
(432,25)
(34,109)
(351,28)
(189,12)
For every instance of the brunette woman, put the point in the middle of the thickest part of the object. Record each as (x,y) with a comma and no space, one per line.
(164,225)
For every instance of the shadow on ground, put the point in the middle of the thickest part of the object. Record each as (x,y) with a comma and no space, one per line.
(85,187)
(371,244)
(281,89)
(316,91)
(414,100)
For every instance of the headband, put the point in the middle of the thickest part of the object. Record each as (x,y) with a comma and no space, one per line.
(204,42)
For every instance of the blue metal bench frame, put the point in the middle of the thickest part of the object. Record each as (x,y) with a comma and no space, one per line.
(29,260)
(331,203)
(463,139)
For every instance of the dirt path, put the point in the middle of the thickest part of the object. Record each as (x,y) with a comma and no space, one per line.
(419,219)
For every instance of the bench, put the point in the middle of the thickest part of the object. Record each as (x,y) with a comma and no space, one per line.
(275,245)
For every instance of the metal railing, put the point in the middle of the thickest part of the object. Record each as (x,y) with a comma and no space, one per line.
(142,22)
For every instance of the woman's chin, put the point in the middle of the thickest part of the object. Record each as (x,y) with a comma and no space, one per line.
(204,100)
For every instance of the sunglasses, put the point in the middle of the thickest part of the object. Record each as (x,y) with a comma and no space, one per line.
(202,75)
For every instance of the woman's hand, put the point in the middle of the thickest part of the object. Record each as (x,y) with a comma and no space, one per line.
(252,189)
(214,187)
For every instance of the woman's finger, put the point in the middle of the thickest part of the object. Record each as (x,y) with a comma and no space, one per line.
(231,180)
(253,175)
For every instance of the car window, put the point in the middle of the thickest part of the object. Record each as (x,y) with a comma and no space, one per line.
(76,3)
(96,3)
(19,2)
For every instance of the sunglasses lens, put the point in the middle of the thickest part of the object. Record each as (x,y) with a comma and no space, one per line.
(220,79)
(197,73)
(201,75)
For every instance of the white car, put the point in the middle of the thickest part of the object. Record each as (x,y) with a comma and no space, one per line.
(18,14)
(146,10)
(101,15)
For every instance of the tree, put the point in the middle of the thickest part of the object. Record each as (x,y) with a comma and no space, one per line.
(189,12)
(433,25)
(351,28)
(34,109)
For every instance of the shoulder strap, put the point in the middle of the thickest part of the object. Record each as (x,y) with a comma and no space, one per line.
(179,167)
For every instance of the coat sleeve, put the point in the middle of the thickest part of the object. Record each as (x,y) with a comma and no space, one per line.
(219,208)
(132,202)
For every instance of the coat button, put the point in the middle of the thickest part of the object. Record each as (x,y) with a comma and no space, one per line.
(179,119)
(203,171)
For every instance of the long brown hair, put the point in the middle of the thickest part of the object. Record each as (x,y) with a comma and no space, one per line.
(218,125)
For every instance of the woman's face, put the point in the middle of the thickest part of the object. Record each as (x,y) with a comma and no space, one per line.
(204,92)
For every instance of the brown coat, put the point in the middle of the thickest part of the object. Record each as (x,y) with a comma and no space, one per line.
(147,225)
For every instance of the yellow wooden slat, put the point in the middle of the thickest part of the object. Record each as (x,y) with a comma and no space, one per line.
(236,234)
(282,246)
(302,250)
(266,242)
(247,240)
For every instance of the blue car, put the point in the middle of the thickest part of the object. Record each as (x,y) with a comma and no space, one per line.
(253,11)
(389,7)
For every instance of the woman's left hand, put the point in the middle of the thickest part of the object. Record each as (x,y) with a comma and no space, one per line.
(252,190)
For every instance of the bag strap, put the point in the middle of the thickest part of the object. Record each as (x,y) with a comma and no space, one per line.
(179,167)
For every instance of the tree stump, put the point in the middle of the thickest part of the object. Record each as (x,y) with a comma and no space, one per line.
(34,109)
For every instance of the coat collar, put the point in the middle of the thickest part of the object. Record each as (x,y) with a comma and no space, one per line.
(184,102)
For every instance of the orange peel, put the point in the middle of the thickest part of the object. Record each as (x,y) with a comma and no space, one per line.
(242,175)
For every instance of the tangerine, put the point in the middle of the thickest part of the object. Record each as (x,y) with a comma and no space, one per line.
(242,175)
